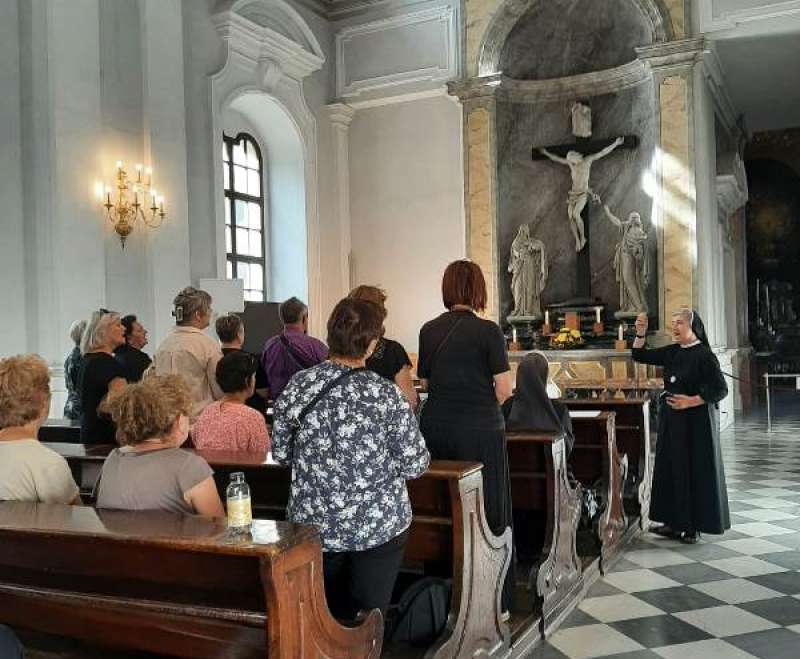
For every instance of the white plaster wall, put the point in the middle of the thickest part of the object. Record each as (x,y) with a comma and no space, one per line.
(13,330)
(406,187)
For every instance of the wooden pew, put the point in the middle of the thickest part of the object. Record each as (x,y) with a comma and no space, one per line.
(60,430)
(449,526)
(171,584)
(632,420)
(595,457)
(539,482)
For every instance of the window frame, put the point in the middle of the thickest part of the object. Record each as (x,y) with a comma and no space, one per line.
(231,196)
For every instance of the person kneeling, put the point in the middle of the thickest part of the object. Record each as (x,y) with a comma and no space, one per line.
(150,471)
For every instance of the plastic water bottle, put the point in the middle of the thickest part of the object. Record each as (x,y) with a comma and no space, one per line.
(240,512)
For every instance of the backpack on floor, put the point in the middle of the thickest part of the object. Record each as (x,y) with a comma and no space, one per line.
(421,613)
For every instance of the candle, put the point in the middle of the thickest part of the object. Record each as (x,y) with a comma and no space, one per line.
(597,315)
(138,173)
(513,334)
(119,165)
(546,317)
(619,333)
(135,198)
(108,194)
(149,172)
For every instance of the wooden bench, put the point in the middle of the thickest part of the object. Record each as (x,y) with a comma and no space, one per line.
(633,437)
(60,430)
(539,482)
(172,584)
(449,526)
(595,458)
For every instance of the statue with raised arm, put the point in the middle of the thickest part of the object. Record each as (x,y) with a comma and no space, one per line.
(580,167)
(528,267)
(631,263)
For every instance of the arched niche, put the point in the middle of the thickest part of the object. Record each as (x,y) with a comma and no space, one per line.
(270,51)
(540,25)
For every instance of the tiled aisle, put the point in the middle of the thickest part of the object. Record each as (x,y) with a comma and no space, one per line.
(735,596)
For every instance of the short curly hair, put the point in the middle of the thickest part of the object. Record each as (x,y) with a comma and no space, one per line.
(148,409)
(24,390)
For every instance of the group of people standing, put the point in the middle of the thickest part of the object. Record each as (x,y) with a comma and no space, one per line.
(347,420)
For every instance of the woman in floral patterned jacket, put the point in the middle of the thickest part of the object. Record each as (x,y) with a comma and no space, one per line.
(351,451)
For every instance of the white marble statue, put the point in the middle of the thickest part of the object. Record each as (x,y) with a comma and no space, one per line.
(631,263)
(581,119)
(580,167)
(528,267)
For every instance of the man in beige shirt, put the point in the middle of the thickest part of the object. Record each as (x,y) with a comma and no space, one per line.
(188,352)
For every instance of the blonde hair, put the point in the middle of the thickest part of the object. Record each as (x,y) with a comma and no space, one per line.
(96,330)
(149,408)
(188,302)
(24,390)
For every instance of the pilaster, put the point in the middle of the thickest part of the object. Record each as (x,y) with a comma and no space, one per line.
(341,115)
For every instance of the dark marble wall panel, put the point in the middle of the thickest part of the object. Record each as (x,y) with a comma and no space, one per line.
(535,192)
(557,38)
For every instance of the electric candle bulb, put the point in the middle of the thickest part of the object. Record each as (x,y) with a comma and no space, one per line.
(619,333)
(119,164)
(597,314)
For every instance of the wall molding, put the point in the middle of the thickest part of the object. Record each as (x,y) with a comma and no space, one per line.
(447,69)
(732,19)
(260,60)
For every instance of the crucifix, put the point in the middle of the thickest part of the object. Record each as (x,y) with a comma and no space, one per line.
(579,157)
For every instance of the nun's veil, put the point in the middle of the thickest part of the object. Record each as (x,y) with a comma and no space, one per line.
(532,408)
(699,329)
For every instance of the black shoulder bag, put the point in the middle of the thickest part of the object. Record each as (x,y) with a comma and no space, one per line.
(435,354)
(295,356)
(296,423)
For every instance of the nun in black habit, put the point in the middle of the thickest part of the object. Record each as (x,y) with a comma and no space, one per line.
(530,408)
(689,494)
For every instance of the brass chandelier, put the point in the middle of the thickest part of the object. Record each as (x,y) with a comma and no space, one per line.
(134,201)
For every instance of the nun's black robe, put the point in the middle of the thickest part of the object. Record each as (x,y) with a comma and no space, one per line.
(689,492)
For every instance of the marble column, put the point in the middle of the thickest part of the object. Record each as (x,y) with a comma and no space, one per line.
(480,181)
(340,116)
(672,66)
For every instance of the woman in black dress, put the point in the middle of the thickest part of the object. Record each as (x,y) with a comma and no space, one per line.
(689,492)
(464,365)
(390,359)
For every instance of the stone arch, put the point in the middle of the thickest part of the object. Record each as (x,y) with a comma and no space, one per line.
(511,11)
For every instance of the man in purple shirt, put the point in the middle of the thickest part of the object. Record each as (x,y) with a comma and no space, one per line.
(292,350)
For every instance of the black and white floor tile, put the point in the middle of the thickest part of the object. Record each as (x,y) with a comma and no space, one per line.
(735,596)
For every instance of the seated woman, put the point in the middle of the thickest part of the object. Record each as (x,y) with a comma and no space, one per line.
(151,471)
(390,358)
(28,470)
(229,424)
(353,442)
(530,408)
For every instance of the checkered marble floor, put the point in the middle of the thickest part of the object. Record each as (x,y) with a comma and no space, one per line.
(735,596)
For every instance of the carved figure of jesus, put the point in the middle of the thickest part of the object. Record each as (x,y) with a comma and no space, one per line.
(580,167)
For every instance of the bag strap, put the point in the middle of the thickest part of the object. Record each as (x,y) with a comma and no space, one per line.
(324,392)
(296,357)
(443,342)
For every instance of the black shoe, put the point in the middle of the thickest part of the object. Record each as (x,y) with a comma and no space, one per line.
(689,538)
(664,531)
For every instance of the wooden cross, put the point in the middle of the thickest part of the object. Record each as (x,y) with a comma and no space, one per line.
(586,147)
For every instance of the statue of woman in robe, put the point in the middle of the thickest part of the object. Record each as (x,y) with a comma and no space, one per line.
(631,263)
(528,268)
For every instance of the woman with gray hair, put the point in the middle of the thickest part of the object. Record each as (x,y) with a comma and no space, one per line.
(72,366)
(187,351)
(100,374)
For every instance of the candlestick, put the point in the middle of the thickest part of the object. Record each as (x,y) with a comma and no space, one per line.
(597,314)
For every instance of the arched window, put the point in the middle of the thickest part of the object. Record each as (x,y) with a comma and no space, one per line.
(244,214)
